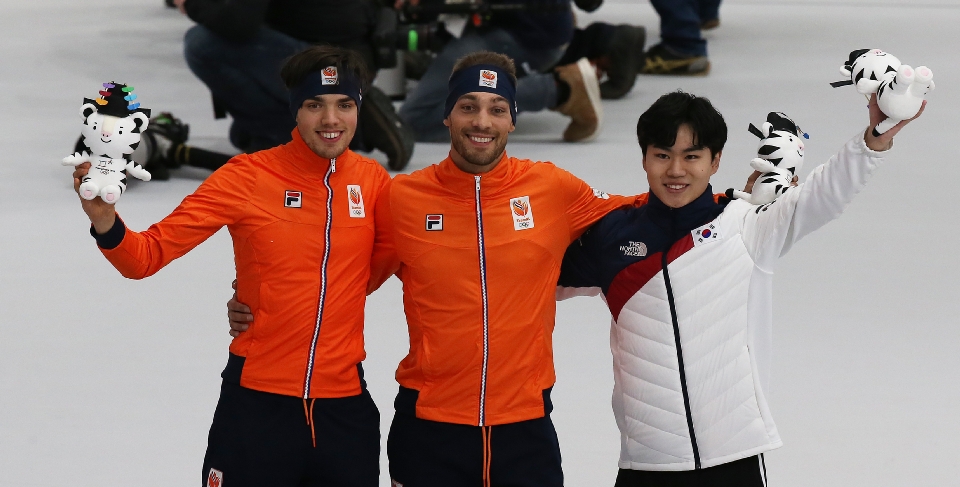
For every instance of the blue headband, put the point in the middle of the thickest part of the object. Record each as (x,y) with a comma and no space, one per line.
(484,78)
(328,81)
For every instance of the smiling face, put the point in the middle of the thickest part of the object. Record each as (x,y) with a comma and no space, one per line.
(111,136)
(681,173)
(327,124)
(479,124)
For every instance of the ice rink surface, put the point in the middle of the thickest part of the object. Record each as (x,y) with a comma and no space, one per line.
(109,382)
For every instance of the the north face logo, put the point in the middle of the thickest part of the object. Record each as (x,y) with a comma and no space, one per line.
(634,249)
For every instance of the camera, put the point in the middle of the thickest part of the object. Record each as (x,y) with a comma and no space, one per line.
(415,27)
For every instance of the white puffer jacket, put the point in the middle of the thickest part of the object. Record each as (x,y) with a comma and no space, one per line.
(691,347)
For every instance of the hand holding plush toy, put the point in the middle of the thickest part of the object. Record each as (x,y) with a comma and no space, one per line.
(112,125)
(779,158)
(900,88)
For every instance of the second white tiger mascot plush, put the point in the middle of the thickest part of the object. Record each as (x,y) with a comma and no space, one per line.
(780,157)
(112,125)
(900,88)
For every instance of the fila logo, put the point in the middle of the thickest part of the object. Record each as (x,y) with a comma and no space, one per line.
(215,478)
(600,194)
(356,201)
(705,234)
(488,78)
(522,213)
(292,199)
(434,223)
(329,75)
(634,249)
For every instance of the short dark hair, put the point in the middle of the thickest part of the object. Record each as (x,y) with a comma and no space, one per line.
(315,58)
(501,61)
(660,123)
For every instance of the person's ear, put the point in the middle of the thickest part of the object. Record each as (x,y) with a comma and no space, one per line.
(512,127)
(715,163)
(446,121)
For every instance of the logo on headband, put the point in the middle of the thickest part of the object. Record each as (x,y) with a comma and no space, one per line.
(488,78)
(330,76)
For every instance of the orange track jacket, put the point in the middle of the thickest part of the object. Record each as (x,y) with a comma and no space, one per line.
(479,257)
(302,229)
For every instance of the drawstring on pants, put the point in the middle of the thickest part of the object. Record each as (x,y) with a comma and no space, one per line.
(487,433)
(309,413)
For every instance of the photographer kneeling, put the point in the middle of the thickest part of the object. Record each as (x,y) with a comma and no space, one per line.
(237,49)
(536,38)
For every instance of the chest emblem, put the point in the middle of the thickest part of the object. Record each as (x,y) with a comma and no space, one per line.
(706,234)
(634,249)
(434,223)
(356,201)
(522,213)
(293,199)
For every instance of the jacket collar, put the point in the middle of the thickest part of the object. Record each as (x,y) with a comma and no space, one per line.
(307,162)
(678,221)
(464,184)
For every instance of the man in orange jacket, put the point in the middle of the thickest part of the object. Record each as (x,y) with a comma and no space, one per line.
(477,241)
(293,407)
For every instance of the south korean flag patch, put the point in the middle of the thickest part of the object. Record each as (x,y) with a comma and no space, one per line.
(706,234)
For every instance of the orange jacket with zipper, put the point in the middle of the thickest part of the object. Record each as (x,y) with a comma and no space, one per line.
(479,257)
(302,229)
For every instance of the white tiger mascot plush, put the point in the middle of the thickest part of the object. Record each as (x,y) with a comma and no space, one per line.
(901,96)
(112,125)
(780,157)
(866,68)
(900,88)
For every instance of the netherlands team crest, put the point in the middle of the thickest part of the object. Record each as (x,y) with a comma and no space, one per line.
(330,76)
(356,201)
(215,478)
(488,78)
(522,213)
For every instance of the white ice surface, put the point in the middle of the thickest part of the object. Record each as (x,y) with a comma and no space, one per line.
(108,382)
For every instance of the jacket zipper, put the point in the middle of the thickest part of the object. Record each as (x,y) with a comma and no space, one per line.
(323,279)
(483,292)
(683,376)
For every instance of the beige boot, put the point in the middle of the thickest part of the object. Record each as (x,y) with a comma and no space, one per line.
(583,107)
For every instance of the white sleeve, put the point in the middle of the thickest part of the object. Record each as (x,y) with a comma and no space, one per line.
(770,231)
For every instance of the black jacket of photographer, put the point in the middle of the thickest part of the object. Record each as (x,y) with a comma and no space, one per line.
(340,22)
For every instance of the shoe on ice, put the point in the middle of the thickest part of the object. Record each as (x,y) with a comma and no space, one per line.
(625,55)
(583,106)
(167,134)
(662,59)
(382,129)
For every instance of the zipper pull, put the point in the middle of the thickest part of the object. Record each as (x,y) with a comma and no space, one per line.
(477,179)
(333,165)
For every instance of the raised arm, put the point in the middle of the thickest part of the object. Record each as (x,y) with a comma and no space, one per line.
(771,230)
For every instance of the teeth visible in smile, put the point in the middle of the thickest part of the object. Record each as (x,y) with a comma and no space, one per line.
(676,186)
(330,135)
(481,140)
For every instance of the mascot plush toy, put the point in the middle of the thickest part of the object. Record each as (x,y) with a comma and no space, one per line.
(900,88)
(780,156)
(112,125)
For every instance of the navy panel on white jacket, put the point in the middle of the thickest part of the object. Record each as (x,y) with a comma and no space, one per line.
(690,293)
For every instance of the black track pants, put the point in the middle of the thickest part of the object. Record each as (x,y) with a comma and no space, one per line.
(748,472)
(432,454)
(259,439)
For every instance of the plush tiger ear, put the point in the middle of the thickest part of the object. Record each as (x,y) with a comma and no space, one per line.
(140,120)
(87,109)
(767,127)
